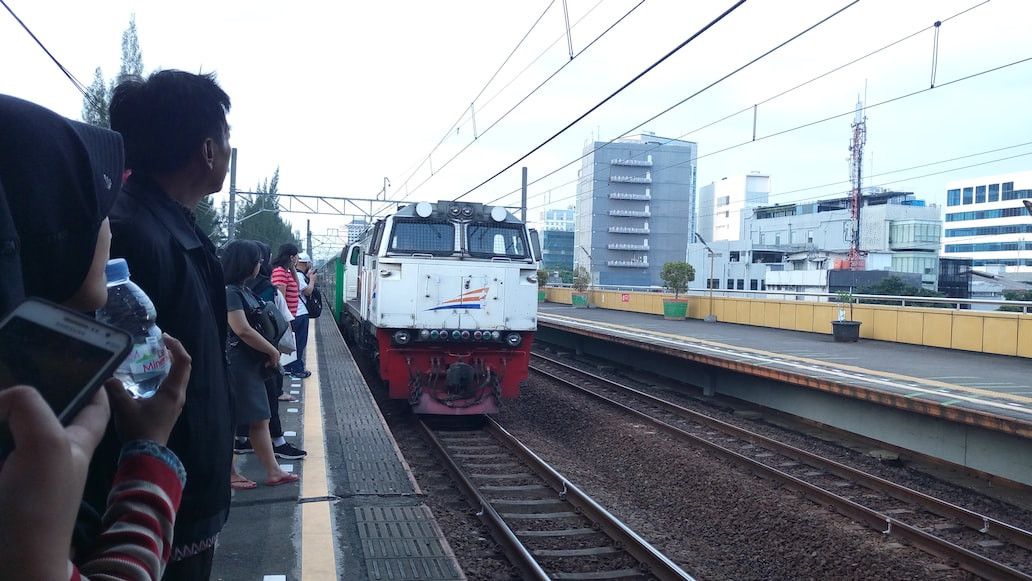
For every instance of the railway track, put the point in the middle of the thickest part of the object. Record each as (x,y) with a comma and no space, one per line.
(546,526)
(956,534)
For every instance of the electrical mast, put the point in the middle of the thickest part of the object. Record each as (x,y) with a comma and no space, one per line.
(856,165)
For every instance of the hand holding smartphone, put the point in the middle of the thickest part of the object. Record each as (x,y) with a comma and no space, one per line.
(64,355)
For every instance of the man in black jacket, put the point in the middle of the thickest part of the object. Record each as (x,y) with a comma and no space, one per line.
(177,150)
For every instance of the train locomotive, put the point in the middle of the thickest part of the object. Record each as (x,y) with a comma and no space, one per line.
(443,298)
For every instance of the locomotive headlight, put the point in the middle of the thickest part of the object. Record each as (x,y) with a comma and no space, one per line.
(402,337)
(456,335)
(465,335)
(433,335)
(424,334)
(478,335)
(444,335)
(496,335)
(467,211)
(513,339)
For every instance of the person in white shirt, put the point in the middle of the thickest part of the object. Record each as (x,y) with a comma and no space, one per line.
(306,280)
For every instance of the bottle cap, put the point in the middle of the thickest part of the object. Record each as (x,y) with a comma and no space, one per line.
(117,269)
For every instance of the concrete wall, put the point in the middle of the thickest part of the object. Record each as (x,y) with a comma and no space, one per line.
(985,332)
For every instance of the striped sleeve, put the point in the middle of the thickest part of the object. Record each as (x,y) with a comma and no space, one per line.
(280,276)
(136,541)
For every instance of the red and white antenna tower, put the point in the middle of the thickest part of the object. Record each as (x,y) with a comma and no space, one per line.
(856,149)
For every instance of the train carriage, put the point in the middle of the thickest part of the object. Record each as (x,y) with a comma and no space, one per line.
(444,298)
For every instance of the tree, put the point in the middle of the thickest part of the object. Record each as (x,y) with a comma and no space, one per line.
(1015,295)
(581,279)
(259,219)
(97,99)
(895,286)
(132,57)
(210,221)
(95,102)
(676,276)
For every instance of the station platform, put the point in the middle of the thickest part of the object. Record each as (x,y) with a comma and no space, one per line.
(357,513)
(989,391)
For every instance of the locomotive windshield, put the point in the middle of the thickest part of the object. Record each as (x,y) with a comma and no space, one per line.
(501,240)
(422,237)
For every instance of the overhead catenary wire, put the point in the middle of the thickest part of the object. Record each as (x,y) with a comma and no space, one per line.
(479,94)
(832,117)
(831,195)
(78,84)
(532,92)
(633,80)
(664,141)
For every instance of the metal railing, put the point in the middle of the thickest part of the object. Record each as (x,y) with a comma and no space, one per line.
(858,299)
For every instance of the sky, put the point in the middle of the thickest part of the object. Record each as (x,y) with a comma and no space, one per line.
(341,95)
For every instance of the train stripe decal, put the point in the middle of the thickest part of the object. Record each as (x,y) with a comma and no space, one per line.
(467,300)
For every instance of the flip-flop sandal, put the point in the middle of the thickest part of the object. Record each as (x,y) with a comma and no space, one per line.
(242,484)
(285,479)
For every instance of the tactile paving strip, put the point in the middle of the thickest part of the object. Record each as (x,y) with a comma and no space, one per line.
(372,461)
(404,543)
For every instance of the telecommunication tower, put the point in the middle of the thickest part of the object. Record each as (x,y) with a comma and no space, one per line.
(855,258)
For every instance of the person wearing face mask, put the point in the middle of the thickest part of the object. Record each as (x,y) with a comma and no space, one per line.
(58,180)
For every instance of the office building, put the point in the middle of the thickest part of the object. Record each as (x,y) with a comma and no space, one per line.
(557,249)
(793,247)
(559,219)
(635,208)
(987,222)
(356,228)
(725,204)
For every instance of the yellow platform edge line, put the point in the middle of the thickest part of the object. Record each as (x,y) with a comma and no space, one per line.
(318,558)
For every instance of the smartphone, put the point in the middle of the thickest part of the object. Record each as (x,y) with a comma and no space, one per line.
(65,355)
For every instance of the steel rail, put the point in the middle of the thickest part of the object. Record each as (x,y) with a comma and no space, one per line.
(968,518)
(516,552)
(966,559)
(658,563)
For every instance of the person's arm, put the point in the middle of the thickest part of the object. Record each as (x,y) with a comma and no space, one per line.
(238,323)
(136,541)
(280,280)
(137,538)
(306,287)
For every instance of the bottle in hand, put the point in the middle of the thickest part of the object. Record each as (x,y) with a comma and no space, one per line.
(130,309)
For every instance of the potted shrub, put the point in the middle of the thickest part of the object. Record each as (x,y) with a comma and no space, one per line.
(676,276)
(845,330)
(581,280)
(542,280)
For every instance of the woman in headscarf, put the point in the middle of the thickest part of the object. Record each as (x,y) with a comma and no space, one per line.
(58,180)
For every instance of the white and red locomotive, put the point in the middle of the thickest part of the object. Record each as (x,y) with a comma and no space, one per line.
(444,298)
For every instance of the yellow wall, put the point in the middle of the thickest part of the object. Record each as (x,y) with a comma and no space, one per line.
(987,332)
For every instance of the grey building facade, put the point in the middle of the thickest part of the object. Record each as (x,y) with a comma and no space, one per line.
(635,208)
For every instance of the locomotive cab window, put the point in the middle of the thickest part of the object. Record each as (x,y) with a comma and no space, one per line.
(422,237)
(496,240)
(356,254)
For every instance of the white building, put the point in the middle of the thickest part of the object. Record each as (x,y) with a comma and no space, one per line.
(724,205)
(987,222)
(793,246)
(356,228)
(559,220)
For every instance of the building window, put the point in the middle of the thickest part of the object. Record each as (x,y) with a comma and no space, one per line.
(735,256)
(724,201)
(980,195)
(994,192)
(953,197)
(754,284)
(969,195)
(730,284)
(1008,186)
(763,285)
(741,284)
(712,283)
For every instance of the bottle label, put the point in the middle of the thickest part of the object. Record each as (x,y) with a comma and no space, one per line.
(149,358)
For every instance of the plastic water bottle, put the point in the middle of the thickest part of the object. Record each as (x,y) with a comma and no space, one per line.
(130,309)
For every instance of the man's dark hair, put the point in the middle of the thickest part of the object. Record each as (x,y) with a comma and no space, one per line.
(239,259)
(165,118)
